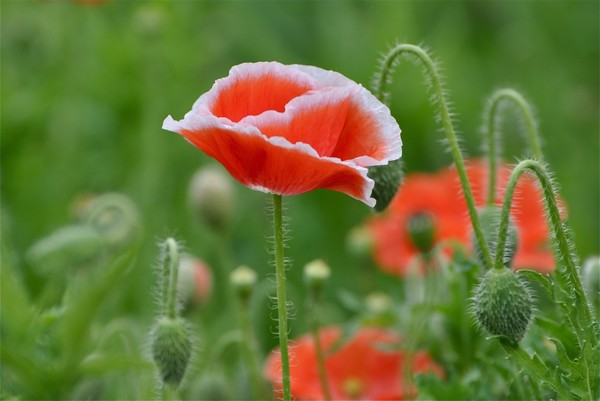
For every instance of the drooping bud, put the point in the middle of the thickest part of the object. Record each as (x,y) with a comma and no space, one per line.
(115,217)
(67,247)
(211,197)
(387,181)
(421,229)
(194,282)
(316,274)
(171,349)
(359,241)
(243,279)
(489,218)
(503,304)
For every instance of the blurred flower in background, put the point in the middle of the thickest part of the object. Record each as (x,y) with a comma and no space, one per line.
(438,196)
(367,367)
(194,282)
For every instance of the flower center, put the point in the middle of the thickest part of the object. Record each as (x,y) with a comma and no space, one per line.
(420,227)
(353,387)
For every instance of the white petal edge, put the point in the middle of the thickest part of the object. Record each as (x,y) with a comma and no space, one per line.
(197,122)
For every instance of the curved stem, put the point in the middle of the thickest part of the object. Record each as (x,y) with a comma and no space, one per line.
(281,296)
(313,313)
(570,273)
(435,80)
(491,117)
(171,276)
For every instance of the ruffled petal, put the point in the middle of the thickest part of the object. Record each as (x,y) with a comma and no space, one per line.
(253,88)
(272,164)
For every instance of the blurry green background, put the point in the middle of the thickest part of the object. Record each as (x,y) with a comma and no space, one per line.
(85,89)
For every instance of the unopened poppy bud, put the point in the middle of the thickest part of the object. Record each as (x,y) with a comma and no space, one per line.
(387,181)
(115,217)
(502,304)
(489,218)
(378,303)
(243,279)
(171,349)
(591,280)
(65,248)
(211,197)
(359,241)
(194,281)
(316,274)
(420,227)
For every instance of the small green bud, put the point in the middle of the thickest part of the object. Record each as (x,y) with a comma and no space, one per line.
(378,303)
(211,197)
(67,247)
(316,274)
(489,217)
(591,280)
(243,279)
(387,181)
(421,228)
(171,349)
(503,304)
(115,217)
(359,241)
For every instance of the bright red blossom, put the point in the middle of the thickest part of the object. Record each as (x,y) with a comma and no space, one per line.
(440,196)
(358,370)
(289,129)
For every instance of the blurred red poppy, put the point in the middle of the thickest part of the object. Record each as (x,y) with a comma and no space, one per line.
(360,369)
(289,129)
(439,195)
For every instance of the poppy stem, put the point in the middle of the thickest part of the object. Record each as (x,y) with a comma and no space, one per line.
(248,344)
(491,123)
(170,273)
(281,296)
(313,313)
(434,80)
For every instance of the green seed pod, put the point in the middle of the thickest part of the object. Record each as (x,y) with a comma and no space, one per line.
(421,228)
(171,349)
(489,217)
(503,304)
(387,181)
(67,247)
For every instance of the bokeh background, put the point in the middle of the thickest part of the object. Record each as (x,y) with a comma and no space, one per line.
(86,86)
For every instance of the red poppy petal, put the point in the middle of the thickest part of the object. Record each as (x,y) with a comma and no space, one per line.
(252,88)
(272,164)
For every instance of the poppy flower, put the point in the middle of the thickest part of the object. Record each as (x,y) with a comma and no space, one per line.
(194,282)
(440,196)
(289,129)
(358,369)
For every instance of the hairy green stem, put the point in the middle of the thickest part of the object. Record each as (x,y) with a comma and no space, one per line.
(281,297)
(434,78)
(491,118)
(170,274)
(313,313)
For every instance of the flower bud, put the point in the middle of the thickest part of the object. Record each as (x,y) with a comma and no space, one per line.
(387,181)
(194,281)
(503,304)
(171,349)
(115,217)
(316,274)
(489,218)
(67,247)
(359,241)
(211,197)
(378,303)
(243,279)
(421,229)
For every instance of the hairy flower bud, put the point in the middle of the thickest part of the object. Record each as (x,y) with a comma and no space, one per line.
(171,349)
(502,304)
(65,248)
(243,279)
(387,181)
(489,217)
(211,197)
(420,227)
